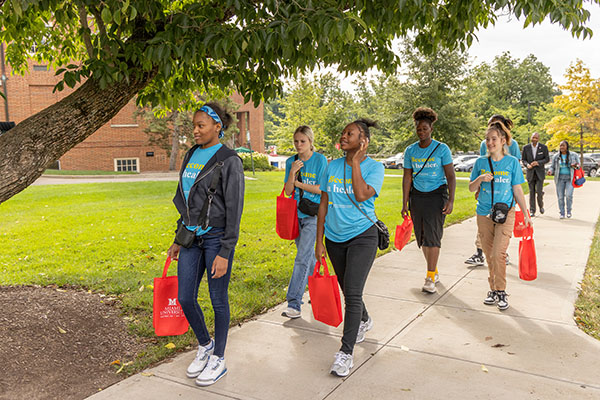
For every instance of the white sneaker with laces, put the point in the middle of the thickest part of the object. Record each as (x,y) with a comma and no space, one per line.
(429,286)
(215,370)
(363,328)
(437,279)
(291,313)
(342,364)
(201,359)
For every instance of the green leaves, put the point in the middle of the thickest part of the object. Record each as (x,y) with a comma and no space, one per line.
(247,44)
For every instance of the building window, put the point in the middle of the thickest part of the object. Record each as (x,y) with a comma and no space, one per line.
(40,68)
(127,164)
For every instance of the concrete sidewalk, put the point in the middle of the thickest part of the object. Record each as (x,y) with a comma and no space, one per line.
(447,345)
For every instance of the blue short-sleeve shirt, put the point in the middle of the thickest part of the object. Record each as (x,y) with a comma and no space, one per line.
(344,221)
(513,149)
(311,172)
(432,176)
(507,173)
(194,166)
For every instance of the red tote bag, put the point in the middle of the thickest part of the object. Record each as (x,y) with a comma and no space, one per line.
(286,223)
(324,295)
(578,178)
(167,315)
(519,227)
(403,233)
(527,256)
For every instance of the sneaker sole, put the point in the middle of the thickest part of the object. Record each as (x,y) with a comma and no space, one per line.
(503,308)
(192,376)
(213,381)
(284,314)
(487,303)
(334,373)
(429,291)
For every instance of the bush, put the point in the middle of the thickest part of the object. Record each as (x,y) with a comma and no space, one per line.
(261,162)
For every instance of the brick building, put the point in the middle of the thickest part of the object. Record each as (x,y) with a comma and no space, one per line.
(121,144)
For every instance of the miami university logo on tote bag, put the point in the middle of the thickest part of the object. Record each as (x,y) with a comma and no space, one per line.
(167,316)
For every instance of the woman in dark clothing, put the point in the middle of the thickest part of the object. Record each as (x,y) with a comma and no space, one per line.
(209,199)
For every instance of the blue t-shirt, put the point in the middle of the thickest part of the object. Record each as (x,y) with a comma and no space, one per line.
(513,149)
(195,164)
(344,221)
(565,169)
(432,176)
(507,173)
(312,171)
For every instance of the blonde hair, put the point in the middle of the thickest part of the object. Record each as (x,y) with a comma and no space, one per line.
(502,131)
(305,130)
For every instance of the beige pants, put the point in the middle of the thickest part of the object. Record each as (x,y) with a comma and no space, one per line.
(494,242)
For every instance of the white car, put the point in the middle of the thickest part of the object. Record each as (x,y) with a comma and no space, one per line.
(461,159)
(466,166)
(394,162)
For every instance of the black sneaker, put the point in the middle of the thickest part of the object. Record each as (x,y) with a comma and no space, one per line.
(475,259)
(542,210)
(502,302)
(491,299)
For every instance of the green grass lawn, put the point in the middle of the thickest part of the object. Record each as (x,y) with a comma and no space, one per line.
(112,238)
(587,307)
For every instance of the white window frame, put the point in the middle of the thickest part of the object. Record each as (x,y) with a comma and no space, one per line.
(136,159)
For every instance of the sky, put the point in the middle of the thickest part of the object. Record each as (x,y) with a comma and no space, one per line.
(549,43)
(552,45)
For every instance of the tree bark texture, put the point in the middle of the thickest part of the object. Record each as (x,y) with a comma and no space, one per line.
(29,147)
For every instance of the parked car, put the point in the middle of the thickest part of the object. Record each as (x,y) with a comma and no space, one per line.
(590,166)
(595,156)
(466,166)
(394,162)
(463,158)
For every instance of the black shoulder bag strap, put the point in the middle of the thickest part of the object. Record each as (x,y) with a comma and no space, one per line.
(356,205)
(299,178)
(493,179)
(212,189)
(428,157)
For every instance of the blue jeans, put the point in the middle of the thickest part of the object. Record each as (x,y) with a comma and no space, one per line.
(304,263)
(193,263)
(564,188)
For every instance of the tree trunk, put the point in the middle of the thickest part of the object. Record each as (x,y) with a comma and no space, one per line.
(29,147)
(174,142)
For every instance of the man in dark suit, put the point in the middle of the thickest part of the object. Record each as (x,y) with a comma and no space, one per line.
(533,157)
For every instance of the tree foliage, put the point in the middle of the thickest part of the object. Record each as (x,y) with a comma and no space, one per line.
(164,51)
(579,109)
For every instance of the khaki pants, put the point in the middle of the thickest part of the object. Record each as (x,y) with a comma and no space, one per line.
(494,242)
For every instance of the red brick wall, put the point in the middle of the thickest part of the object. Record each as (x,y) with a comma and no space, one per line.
(120,138)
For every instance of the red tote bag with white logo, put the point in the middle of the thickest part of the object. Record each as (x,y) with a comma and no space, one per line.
(167,316)
(286,222)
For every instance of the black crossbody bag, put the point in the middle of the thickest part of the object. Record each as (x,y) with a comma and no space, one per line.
(383,237)
(499,210)
(305,205)
(184,237)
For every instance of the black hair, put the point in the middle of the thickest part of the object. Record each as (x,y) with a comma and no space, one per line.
(222,112)
(425,114)
(568,152)
(364,124)
(506,121)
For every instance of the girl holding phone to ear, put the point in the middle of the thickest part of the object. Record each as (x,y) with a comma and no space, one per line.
(351,237)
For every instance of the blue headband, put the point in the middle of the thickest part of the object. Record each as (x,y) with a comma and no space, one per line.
(211,113)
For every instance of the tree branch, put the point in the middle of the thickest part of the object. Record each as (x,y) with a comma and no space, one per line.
(86,29)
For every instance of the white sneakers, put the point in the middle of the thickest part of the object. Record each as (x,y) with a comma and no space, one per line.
(429,286)
(342,364)
(363,328)
(206,367)
(291,313)
(215,370)
(201,360)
